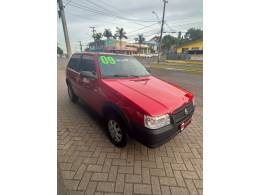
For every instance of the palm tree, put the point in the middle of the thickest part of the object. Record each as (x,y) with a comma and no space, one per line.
(107,33)
(97,37)
(140,40)
(121,34)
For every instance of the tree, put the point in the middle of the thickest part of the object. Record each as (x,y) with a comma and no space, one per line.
(193,34)
(167,42)
(140,40)
(97,36)
(107,33)
(97,39)
(120,34)
(59,51)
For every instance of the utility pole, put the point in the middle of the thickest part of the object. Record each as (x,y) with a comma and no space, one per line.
(64,24)
(179,39)
(160,46)
(80,45)
(93,30)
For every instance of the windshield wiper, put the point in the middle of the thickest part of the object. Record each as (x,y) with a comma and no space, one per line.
(136,76)
(119,75)
(124,75)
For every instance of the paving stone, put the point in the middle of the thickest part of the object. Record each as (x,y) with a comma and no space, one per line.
(99,177)
(68,174)
(91,188)
(71,184)
(133,178)
(106,186)
(84,181)
(125,169)
(168,181)
(142,189)
(178,166)
(112,173)
(179,191)
(155,185)
(79,174)
(157,172)
(165,190)
(189,174)
(191,187)
(146,175)
(128,190)
(120,183)
(95,168)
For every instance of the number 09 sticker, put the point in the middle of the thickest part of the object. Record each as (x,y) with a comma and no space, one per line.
(107,60)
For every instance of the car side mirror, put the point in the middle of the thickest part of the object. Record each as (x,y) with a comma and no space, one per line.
(88,74)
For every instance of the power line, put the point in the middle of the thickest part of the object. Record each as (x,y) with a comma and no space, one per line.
(105,13)
(84,8)
(141,28)
(111,11)
(152,30)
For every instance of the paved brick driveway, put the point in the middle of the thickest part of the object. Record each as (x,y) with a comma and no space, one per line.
(89,164)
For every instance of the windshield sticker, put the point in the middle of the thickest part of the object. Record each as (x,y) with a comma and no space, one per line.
(123,60)
(107,60)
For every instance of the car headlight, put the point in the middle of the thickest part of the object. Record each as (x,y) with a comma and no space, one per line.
(155,122)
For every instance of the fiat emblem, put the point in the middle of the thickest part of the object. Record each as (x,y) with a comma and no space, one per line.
(186,111)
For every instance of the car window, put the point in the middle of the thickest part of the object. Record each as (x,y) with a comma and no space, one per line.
(88,64)
(74,62)
(121,66)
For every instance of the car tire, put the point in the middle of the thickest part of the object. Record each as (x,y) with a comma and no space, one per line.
(116,130)
(71,94)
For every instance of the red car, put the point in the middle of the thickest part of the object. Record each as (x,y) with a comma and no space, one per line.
(133,102)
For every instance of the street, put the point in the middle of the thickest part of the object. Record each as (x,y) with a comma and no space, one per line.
(89,164)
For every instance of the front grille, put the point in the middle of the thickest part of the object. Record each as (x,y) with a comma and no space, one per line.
(180,115)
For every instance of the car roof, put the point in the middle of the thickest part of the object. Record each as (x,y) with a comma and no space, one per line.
(99,53)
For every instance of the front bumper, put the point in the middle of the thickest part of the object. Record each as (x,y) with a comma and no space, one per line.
(156,137)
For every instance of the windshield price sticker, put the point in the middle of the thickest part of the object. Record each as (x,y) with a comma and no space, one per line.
(107,60)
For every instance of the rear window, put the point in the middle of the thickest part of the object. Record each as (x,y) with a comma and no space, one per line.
(74,62)
(87,64)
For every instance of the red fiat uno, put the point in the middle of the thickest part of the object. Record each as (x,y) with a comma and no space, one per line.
(132,101)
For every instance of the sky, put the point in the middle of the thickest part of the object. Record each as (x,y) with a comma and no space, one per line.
(135,16)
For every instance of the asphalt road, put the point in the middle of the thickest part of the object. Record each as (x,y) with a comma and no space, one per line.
(193,82)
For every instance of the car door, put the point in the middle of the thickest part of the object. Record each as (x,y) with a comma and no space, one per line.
(73,72)
(89,86)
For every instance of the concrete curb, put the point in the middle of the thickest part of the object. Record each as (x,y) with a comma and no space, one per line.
(184,62)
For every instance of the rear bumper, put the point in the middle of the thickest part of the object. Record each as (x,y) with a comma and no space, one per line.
(156,137)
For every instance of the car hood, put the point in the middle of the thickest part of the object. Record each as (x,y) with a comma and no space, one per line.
(152,95)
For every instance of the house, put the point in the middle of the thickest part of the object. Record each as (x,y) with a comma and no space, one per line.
(115,46)
(193,48)
(190,46)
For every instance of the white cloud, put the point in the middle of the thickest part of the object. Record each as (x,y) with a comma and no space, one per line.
(180,15)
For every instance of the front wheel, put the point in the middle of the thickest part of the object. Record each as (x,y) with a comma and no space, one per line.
(116,131)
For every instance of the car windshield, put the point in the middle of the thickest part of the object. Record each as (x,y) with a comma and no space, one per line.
(121,66)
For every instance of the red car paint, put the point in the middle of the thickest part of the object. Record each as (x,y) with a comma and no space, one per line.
(136,97)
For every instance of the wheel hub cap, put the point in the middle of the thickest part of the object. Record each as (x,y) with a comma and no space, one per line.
(114,130)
